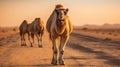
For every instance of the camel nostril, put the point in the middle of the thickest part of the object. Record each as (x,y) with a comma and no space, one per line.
(62,22)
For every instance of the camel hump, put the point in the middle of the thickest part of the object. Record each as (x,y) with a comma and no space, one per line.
(39,22)
(23,27)
(23,24)
(36,25)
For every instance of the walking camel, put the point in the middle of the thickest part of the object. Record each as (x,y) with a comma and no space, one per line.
(23,32)
(36,28)
(59,26)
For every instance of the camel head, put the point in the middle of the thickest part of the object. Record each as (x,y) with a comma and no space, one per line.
(37,19)
(61,14)
(25,21)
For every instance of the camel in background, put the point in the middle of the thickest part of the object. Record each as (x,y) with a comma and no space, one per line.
(59,26)
(36,28)
(23,31)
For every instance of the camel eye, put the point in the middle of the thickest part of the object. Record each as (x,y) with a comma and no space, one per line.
(57,11)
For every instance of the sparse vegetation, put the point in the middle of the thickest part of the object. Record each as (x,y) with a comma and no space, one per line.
(85,28)
(110,33)
(103,33)
(115,34)
(79,44)
(107,39)
(14,29)
(3,31)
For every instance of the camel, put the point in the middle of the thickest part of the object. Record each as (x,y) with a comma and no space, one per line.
(36,28)
(23,32)
(59,27)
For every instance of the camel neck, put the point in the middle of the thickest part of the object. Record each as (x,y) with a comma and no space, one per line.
(60,26)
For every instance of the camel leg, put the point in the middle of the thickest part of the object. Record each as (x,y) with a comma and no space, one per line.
(63,42)
(55,52)
(32,35)
(21,39)
(24,40)
(39,38)
(29,39)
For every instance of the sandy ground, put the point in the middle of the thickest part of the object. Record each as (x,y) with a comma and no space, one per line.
(115,36)
(81,51)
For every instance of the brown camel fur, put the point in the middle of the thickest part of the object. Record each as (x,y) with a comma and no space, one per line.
(23,32)
(59,26)
(36,28)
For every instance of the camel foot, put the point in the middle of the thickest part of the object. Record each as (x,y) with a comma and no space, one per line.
(61,62)
(31,45)
(40,46)
(22,44)
(25,45)
(54,62)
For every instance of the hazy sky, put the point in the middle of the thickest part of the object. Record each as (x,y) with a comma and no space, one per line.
(13,12)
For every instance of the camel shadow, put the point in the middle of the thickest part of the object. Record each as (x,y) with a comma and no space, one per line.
(34,65)
(111,60)
(93,39)
(37,65)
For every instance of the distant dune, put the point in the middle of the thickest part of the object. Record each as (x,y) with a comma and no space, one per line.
(105,26)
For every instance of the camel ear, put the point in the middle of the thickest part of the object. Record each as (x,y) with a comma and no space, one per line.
(66,11)
(56,10)
(38,18)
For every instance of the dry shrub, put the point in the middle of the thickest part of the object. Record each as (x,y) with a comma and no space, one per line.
(115,34)
(97,32)
(4,31)
(107,39)
(85,28)
(103,33)
(110,33)
(14,29)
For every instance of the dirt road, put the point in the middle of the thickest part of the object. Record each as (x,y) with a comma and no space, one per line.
(81,51)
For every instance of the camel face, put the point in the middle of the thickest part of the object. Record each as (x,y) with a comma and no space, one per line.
(61,13)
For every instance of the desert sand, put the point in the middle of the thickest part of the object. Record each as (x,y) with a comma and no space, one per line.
(82,50)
